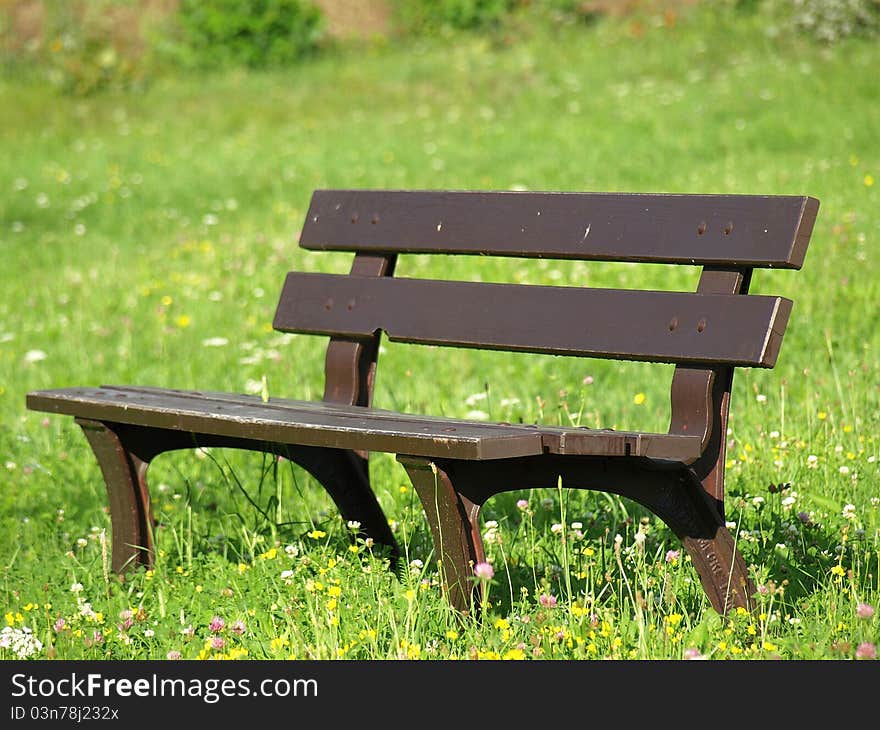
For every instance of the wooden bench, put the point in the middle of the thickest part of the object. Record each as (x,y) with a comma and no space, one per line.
(456,465)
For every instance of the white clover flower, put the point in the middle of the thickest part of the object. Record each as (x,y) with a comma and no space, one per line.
(555,527)
(844,469)
(577,525)
(812,461)
(354,525)
(34,356)
(76,588)
(639,538)
(21,641)
(491,534)
(477,415)
(253,386)
(81,542)
(849,511)
(788,502)
(291,550)
(472,400)
(757,501)
(761,398)
(215,342)
(774,434)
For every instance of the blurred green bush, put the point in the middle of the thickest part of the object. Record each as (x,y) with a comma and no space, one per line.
(827,21)
(84,46)
(251,33)
(81,45)
(441,17)
(432,16)
(831,20)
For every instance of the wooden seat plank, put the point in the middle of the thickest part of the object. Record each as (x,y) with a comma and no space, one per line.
(366,428)
(295,422)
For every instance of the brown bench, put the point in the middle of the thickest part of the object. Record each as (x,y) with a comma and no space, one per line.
(456,465)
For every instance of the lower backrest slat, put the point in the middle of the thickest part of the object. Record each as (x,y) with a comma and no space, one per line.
(655,326)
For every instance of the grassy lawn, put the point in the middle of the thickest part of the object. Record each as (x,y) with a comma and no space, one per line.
(146,236)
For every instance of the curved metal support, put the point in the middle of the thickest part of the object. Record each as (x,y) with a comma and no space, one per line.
(345,476)
(683,504)
(125,476)
(453,519)
(124,454)
(674,494)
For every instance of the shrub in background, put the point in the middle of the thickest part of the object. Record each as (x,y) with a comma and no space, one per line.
(433,16)
(831,20)
(82,45)
(828,21)
(422,17)
(252,33)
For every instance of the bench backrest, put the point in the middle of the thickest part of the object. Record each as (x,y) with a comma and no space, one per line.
(705,333)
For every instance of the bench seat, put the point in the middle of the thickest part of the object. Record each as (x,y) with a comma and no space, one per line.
(315,423)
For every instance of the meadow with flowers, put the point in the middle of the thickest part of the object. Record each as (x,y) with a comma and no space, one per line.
(145,236)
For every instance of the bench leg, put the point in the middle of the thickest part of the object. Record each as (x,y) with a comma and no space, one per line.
(455,529)
(124,453)
(125,476)
(346,478)
(692,515)
(676,496)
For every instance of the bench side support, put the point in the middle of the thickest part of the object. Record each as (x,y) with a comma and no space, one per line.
(124,454)
(701,396)
(350,366)
(124,467)
(452,492)
(454,522)
(349,378)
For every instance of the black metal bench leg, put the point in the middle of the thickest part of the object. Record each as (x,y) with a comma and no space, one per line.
(693,516)
(125,476)
(455,529)
(345,476)
(449,492)
(124,454)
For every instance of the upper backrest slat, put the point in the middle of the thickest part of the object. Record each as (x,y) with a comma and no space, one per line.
(734,230)
(656,326)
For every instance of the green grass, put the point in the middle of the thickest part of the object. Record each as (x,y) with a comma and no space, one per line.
(134,228)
